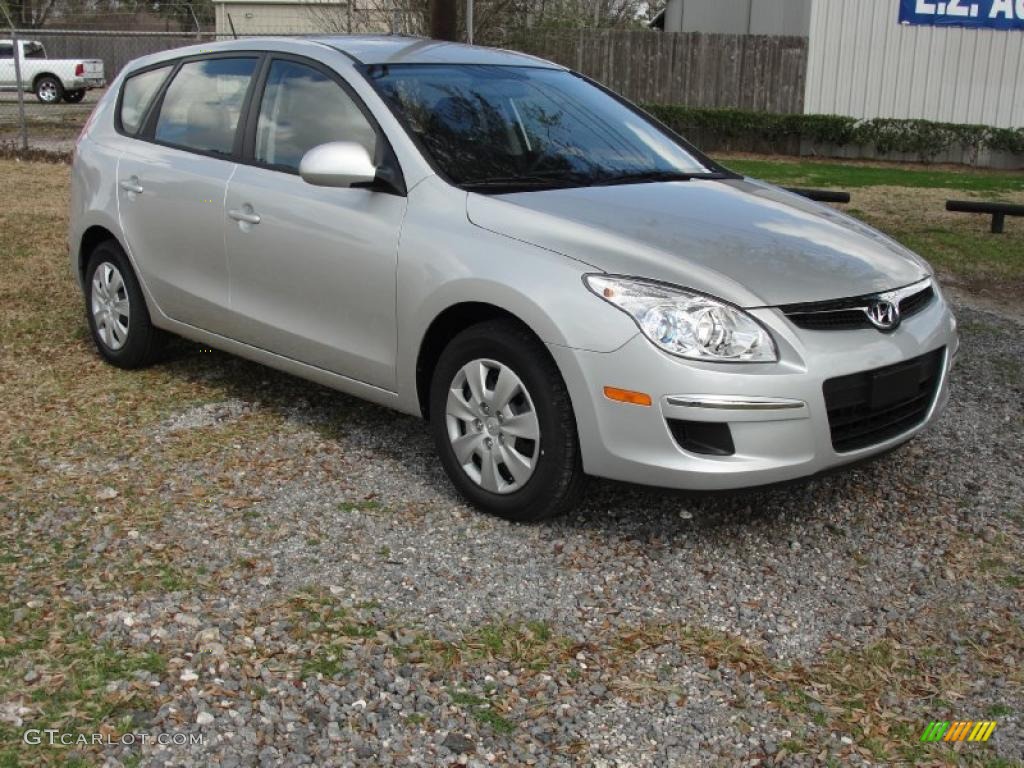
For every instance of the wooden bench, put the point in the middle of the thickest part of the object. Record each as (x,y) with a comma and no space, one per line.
(998,211)
(821,195)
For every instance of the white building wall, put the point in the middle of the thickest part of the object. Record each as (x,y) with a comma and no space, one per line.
(290,17)
(863,63)
(739,17)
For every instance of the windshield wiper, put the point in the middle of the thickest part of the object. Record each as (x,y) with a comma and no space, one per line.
(644,177)
(523,183)
(536,182)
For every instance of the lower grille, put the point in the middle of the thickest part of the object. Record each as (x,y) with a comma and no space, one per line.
(871,407)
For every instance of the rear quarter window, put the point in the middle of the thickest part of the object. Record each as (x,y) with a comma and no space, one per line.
(137,94)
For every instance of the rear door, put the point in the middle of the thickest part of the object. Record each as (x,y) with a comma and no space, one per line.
(172,181)
(312,268)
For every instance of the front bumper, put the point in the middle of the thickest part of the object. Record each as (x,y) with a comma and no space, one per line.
(776,412)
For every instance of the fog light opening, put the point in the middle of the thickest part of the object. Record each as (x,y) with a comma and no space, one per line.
(704,437)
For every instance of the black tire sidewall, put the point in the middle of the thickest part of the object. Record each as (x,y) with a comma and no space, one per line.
(137,350)
(75,96)
(559,451)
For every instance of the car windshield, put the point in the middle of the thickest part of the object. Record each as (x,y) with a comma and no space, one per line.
(499,127)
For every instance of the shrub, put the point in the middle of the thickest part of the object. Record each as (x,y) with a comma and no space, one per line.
(921,137)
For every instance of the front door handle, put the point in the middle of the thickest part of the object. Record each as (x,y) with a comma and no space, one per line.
(246,215)
(132,185)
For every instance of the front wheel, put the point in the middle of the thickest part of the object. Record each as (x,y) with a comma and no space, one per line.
(503,423)
(75,96)
(49,89)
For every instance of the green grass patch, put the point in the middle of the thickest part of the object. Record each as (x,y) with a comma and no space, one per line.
(964,252)
(481,710)
(813,173)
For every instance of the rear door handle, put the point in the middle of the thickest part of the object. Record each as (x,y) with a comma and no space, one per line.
(132,185)
(245,216)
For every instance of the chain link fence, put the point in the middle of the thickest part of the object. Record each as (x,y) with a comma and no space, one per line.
(56,56)
(52,78)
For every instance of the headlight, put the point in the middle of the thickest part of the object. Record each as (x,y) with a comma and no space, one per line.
(687,323)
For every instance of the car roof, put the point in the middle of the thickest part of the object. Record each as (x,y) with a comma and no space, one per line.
(360,49)
(397,49)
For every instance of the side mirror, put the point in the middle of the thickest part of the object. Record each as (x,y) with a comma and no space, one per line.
(337,164)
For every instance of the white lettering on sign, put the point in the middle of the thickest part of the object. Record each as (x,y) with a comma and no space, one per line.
(923,6)
(1002,8)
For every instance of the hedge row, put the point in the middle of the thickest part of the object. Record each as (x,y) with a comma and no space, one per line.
(921,137)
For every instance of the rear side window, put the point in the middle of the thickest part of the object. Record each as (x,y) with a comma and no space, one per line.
(203,103)
(302,108)
(34,51)
(138,92)
(6,51)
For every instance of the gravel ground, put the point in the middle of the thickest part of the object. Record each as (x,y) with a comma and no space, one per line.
(334,603)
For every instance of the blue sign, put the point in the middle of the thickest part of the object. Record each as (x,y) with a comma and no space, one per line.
(983,14)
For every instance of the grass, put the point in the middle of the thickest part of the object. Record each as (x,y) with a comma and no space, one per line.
(850,175)
(482,711)
(908,203)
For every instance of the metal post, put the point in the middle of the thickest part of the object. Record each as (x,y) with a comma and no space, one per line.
(469,21)
(21,93)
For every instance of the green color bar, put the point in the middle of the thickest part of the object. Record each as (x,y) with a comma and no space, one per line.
(935,731)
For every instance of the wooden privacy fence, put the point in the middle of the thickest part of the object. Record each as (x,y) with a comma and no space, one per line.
(757,72)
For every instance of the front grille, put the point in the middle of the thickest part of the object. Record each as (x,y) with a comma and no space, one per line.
(871,407)
(849,314)
(914,303)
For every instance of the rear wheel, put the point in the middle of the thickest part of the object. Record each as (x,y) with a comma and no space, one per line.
(503,423)
(49,89)
(75,96)
(116,310)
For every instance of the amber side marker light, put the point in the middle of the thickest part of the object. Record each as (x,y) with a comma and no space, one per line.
(627,396)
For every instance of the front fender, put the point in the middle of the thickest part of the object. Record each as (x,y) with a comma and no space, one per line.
(445,260)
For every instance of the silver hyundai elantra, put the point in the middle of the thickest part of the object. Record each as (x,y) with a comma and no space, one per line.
(557,282)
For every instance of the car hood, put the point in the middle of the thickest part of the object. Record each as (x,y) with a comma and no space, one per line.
(742,240)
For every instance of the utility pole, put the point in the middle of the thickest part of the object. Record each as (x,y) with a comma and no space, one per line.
(469,21)
(17,79)
(443,19)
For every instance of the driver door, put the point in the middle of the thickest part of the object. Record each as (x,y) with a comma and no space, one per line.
(312,269)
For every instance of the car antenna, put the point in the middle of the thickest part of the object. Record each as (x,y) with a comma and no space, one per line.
(232,25)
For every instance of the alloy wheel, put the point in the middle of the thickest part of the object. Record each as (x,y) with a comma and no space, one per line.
(48,91)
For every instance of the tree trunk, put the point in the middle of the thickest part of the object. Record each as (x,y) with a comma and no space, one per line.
(443,19)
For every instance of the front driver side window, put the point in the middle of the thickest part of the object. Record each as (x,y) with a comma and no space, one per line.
(303,108)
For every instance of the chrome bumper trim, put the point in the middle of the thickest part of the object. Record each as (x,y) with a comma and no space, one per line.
(725,402)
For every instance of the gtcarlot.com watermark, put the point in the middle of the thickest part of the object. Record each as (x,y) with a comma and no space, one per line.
(53,737)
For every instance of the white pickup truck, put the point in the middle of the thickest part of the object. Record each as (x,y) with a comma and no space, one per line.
(49,79)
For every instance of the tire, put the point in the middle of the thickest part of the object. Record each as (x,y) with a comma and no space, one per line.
(49,89)
(116,310)
(75,96)
(481,422)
